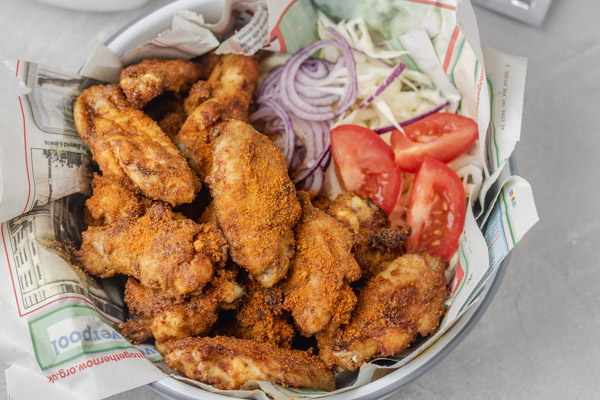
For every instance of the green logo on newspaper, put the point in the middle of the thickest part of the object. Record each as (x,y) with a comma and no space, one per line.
(71,331)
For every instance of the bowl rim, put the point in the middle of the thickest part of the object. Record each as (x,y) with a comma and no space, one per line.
(119,41)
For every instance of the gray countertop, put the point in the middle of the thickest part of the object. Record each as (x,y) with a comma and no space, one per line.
(539,337)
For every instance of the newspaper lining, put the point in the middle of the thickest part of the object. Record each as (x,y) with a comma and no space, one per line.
(70,318)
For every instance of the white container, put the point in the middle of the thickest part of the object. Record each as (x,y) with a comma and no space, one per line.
(148,26)
(96,5)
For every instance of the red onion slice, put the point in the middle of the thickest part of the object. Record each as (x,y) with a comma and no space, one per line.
(307,172)
(288,150)
(288,95)
(352,85)
(393,75)
(270,85)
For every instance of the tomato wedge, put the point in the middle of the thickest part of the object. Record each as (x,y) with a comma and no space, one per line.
(365,165)
(442,136)
(437,208)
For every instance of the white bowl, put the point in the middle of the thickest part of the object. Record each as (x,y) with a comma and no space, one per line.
(96,5)
(146,27)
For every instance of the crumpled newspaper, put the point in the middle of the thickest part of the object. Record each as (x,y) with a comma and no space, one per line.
(59,331)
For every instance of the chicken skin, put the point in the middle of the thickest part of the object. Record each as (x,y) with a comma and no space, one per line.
(261,316)
(378,241)
(317,291)
(168,318)
(212,242)
(115,199)
(144,81)
(402,301)
(255,201)
(196,138)
(129,145)
(157,249)
(228,363)
(233,81)
(226,95)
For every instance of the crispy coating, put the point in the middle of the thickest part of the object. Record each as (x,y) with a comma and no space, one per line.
(199,93)
(255,201)
(170,318)
(137,330)
(172,122)
(261,316)
(156,248)
(114,199)
(402,301)
(127,144)
(212,242)
(144,81)
(378,241)
(196,138)
(317,291)
(228,363)
(233,81)
(230,88)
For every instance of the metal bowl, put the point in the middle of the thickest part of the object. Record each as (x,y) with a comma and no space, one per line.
(148,26)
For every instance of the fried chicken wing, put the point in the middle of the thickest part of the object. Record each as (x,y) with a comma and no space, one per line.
(378,241)
(226,95)
(212,242)
(115,199)
(157,249)
(196,138)
(199,93)
(261,316)
(137,330)
(127,144)
(402,301)
(228,363)
(233,81)
(144,81)
(170,318)
(317,290)
(255,201)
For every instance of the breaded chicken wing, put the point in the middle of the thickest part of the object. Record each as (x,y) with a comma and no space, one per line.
(228,363)
(114,199)
(127,144)
(144,81)
(317,291)
(212,242)
(233,81)
(402,301)
(170,318)
(378,241)
(199,93)
(226,95)
(196,138)
(255,201)
(157,249)
(261,316)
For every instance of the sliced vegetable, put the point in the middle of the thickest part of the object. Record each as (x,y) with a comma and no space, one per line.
(437,209)
(393,75)
(365,165)
(442,136)
(416,118)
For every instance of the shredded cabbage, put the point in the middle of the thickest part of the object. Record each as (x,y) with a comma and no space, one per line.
(410,94)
